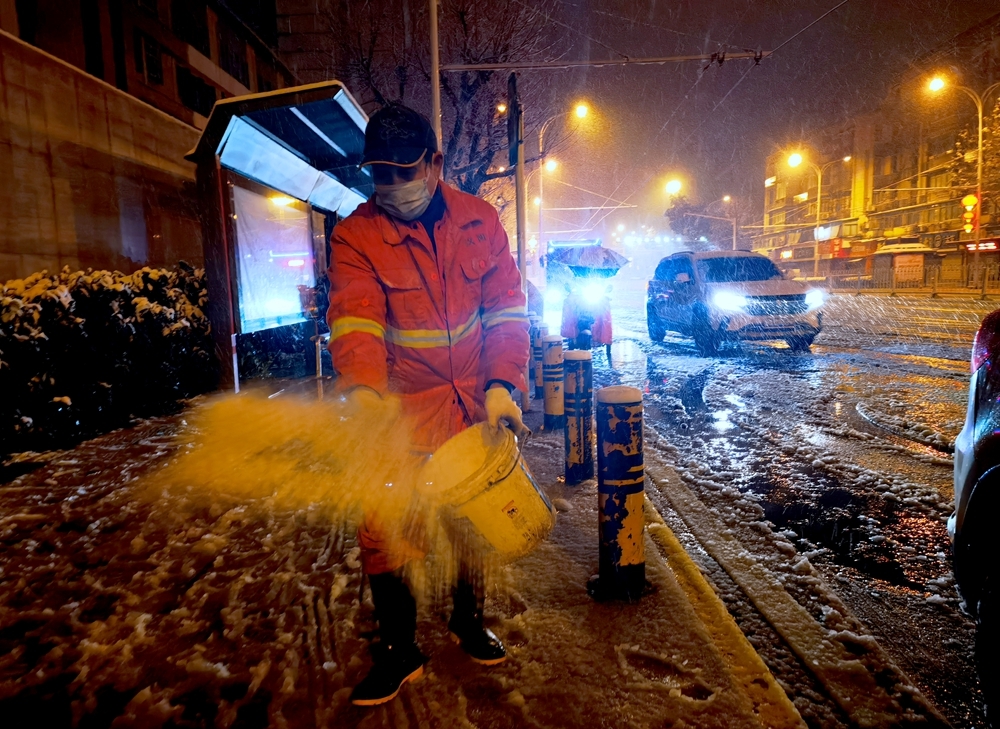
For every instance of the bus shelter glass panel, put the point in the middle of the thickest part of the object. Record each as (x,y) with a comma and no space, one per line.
(274,252)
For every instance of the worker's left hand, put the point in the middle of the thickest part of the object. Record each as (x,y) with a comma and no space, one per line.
(500,406)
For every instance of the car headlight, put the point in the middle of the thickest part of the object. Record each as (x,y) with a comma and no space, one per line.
(729,301)
(815,299)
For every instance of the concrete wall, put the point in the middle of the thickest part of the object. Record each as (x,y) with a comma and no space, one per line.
(89,176)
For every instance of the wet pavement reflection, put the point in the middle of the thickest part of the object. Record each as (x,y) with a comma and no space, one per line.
(845,449)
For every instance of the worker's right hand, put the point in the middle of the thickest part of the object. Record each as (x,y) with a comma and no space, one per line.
(365,402)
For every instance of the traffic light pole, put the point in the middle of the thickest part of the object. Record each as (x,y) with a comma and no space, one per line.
(435,71)
(515,141)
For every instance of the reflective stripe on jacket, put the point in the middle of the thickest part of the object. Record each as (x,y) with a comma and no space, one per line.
(430,325)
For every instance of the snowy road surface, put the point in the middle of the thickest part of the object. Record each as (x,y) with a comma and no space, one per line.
(832,468)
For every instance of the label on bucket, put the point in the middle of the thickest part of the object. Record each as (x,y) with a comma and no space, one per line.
(514,514)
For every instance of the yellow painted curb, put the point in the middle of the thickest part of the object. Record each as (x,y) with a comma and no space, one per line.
(769,702)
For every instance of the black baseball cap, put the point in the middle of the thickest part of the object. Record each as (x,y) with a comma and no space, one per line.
(399,136)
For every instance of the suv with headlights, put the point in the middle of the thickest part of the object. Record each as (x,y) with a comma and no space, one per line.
(722,296)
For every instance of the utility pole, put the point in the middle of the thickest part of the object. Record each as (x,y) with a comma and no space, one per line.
(515,143)
(731,221)
(435,72)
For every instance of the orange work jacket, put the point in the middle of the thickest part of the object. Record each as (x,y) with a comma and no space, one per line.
(431,325)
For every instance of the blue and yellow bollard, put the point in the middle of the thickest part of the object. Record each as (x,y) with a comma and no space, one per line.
(533,322)
(578,399)
(541,331)
(552,374)
(620,488)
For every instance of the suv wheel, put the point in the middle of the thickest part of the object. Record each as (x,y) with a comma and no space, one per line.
(706,339)
(800,344)
(654,326)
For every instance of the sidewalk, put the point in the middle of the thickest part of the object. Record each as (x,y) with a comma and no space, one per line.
(155,609)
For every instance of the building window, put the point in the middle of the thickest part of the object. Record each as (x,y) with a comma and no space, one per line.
(233,54)
(148,58)
(941,179)
(195,94)
(148,6)
(265,77)
(189,20)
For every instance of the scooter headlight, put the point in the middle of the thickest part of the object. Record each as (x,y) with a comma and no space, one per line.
(729,301)
(815,299)
(593,292)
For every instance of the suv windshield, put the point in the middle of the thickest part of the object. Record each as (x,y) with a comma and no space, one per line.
(742,268)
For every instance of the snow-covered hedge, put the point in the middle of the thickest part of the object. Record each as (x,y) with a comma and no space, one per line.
(81,352)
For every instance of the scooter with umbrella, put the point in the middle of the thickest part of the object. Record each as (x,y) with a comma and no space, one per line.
(586,320)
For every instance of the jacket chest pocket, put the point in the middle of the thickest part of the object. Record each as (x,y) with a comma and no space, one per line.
(408,302)
(474,266)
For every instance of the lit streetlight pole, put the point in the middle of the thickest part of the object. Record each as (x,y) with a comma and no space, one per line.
(937,84)
(580,111)
(731,221)
(435,70)
(794,160)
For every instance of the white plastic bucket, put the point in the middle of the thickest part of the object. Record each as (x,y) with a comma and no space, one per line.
(484,485)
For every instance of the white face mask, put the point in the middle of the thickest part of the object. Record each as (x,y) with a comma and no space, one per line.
(406,201)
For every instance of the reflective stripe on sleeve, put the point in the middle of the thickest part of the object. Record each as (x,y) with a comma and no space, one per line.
(427,338)
(501,316)
(351,324)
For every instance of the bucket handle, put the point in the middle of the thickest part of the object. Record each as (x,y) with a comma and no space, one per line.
(520,447)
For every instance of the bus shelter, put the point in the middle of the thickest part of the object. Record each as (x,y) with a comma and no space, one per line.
(275,171)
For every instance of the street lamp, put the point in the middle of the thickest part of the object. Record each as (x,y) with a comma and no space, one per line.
(794,160)
(580,111)
(674,187)
(731,221)
(938,83)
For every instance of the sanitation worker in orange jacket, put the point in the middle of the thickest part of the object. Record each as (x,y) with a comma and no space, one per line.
(426,304)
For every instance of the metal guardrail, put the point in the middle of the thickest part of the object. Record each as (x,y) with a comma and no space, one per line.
(919,280)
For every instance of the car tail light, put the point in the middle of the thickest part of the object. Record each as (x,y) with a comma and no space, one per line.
(986,345)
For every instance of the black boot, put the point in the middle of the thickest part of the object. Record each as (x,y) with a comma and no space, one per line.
(466,627)
(396,656)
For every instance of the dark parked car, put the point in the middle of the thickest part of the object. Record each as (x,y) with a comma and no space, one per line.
(972,527)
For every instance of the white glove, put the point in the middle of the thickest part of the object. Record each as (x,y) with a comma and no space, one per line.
(365,401)
(500,406)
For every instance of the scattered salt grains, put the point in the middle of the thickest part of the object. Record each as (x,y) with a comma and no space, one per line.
(515,698)
(351,559)
(562,505)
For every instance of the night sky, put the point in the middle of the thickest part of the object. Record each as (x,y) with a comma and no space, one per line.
(654,121)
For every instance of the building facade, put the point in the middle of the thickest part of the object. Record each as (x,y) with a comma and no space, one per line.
(99,102)
(179,56)
(886,179)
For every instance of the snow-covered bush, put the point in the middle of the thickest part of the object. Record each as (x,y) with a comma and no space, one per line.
(81,352)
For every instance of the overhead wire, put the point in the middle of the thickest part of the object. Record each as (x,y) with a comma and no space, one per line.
(655,26)
(727,94)
(570,27)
